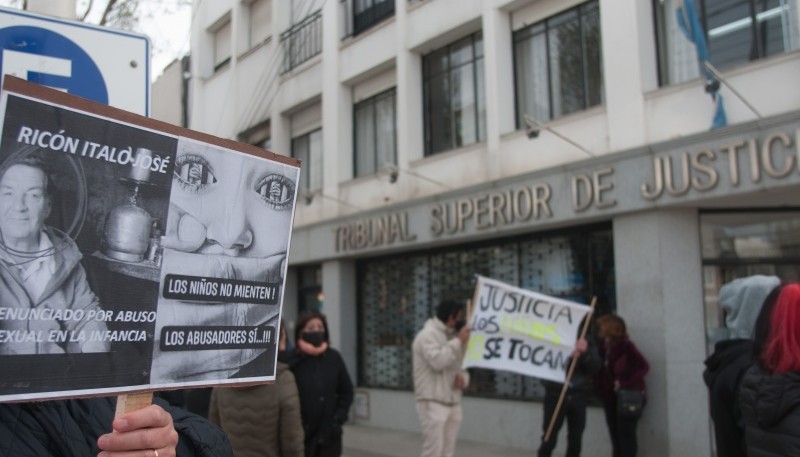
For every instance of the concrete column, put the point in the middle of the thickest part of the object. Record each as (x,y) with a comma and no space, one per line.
(290,299)
(339,287)
(280,128)
(335,109)
(499,90)
(659,294)
(410,141)
(629,69)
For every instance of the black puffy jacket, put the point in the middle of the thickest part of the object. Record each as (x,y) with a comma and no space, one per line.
(70,428)
(724,371)
(771,409)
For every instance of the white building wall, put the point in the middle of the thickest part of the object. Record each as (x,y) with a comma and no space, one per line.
(167,104)
(659,285)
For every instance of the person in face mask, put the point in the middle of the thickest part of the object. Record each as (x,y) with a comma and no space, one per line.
(325,388)
(438,378)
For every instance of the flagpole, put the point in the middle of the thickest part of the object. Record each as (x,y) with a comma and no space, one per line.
(471,309)
(572,364)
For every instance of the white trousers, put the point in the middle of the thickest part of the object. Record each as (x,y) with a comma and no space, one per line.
(439,424)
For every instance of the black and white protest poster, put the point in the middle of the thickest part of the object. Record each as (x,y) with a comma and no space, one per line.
(522,331)
(134,255)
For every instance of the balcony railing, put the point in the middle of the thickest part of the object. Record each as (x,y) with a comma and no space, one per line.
(302,42)
(359,16)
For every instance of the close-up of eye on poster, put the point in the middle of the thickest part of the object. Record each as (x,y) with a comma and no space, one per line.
(134,255)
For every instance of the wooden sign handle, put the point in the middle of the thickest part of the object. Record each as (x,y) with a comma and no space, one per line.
(131,402)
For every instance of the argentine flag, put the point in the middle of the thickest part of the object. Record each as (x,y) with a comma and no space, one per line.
(690,26)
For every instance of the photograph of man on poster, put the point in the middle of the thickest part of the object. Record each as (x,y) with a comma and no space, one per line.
(46,300)
(229,221)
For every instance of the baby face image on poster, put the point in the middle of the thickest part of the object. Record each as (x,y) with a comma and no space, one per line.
(225,249)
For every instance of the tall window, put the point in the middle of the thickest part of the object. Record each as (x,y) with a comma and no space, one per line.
(396,295)
(308,148)
(558,64)
(222,45)
(260,22)
(375,138)
(744,243)
(454,97)
(736,31)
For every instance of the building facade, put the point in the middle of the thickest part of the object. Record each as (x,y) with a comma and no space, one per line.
(565,146)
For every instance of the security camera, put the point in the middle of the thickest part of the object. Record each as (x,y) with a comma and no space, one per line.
(531,127)
(712,85)
(393,171)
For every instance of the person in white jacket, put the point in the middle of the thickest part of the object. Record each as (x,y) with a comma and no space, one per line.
(438,378)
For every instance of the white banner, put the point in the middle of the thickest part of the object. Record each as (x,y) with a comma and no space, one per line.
(525,332)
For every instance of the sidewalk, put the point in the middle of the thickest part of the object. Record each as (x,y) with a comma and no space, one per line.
(363,441)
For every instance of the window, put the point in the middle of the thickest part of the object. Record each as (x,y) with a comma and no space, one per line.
(308,148)
(558,64)
(260,22)
(222,45)
(367,13)
(453,91)
(258,135)
(736,32)
(309,289)
(744,243)
(375,138)
(398,294)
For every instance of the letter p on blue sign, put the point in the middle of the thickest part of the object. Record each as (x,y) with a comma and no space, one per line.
(104,65)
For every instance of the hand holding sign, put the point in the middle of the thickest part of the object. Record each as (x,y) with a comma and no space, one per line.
(522,331)
(580,347)
(148,431)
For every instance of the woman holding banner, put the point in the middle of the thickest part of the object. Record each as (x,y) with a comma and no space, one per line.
(624,368)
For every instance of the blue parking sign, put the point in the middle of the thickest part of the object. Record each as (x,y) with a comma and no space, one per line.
(98,63)
(51,59)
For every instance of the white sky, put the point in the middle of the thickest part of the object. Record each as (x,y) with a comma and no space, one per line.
(166,22)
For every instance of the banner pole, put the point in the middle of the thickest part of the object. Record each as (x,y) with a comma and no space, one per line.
(572,364)
(471,310)
(131,402)
(471,302)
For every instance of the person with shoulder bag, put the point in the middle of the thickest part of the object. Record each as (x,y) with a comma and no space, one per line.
(620,384)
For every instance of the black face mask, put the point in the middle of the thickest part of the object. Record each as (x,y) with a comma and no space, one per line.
(461,323)
(314,338)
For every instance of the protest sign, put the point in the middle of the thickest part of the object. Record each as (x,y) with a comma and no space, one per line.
(518,330)
(134,255)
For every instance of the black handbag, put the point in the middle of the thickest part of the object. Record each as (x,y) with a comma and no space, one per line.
(630,403)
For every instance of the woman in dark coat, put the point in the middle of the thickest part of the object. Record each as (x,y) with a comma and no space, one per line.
(770,391)
(326,391)
(261,420)
(623,367)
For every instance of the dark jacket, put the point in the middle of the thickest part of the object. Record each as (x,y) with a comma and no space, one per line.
(326,394)
(70,428)
(771,409)
(586,366)
(261,420)
(723,374)
(622,362)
